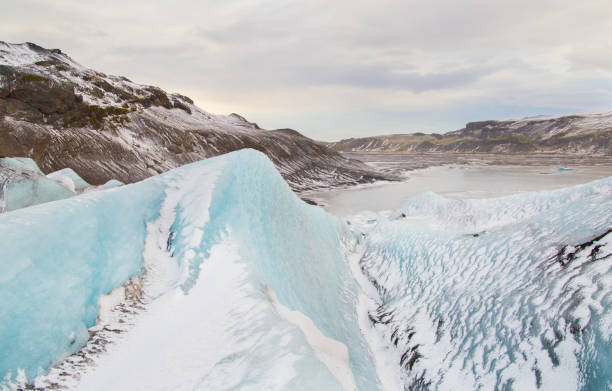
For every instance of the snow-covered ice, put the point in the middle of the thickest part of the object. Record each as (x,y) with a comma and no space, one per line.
(215,238)
(505,293)
(70,178)
(215,276)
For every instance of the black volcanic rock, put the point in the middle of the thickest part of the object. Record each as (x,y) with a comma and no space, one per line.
(62,114)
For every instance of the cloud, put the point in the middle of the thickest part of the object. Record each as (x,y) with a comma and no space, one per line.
(313,63)
(591,58)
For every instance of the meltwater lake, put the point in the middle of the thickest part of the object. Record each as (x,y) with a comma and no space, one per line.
(458,182)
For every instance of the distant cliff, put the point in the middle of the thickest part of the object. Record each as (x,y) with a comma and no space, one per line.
(61,114)
(584,133)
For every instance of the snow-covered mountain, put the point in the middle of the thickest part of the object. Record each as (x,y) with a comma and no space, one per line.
(104,127)
(580,133)
(216,276)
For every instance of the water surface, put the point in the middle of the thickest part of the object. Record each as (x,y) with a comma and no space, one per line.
(456,181)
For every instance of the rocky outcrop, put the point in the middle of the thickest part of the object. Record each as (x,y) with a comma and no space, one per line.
(586,133)
(62,114)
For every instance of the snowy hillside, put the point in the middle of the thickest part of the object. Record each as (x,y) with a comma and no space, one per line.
(64,115)
(215,276)
(580,133)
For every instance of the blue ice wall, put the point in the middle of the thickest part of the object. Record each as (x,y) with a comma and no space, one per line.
(293,247)
(24,192)
(56,259)
(60,257)
(23,184)
(21,163)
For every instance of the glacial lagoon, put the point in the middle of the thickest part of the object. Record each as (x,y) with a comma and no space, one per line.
(457,182)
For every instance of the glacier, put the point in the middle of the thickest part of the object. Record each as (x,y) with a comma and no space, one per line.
(60,258)
(505,293)
(23,184)
(70,179)
(216,276)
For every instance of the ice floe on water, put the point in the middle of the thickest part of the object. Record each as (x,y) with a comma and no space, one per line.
(215,276)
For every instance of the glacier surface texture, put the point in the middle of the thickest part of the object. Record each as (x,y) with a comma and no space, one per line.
(505,293)
(241,285)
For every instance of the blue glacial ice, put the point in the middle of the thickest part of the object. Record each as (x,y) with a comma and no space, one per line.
(111,184)
(22,184)
(57,259)
(21,164)
(71,179)
(60,258)
(247,287)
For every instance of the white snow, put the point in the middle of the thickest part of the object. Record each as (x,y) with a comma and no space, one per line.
(332,353)
(490,298)
(386,359)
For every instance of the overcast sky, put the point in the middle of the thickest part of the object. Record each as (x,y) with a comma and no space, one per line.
(337,69)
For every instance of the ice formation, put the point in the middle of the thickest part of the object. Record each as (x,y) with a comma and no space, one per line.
(111,184)
(506,293)
(232,216)
(69,178)
(244,286)
(22,184)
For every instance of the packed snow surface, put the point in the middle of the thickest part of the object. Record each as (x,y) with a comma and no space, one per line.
(215,276)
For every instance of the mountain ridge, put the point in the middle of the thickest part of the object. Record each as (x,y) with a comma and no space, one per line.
(62,114)
(575,133)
